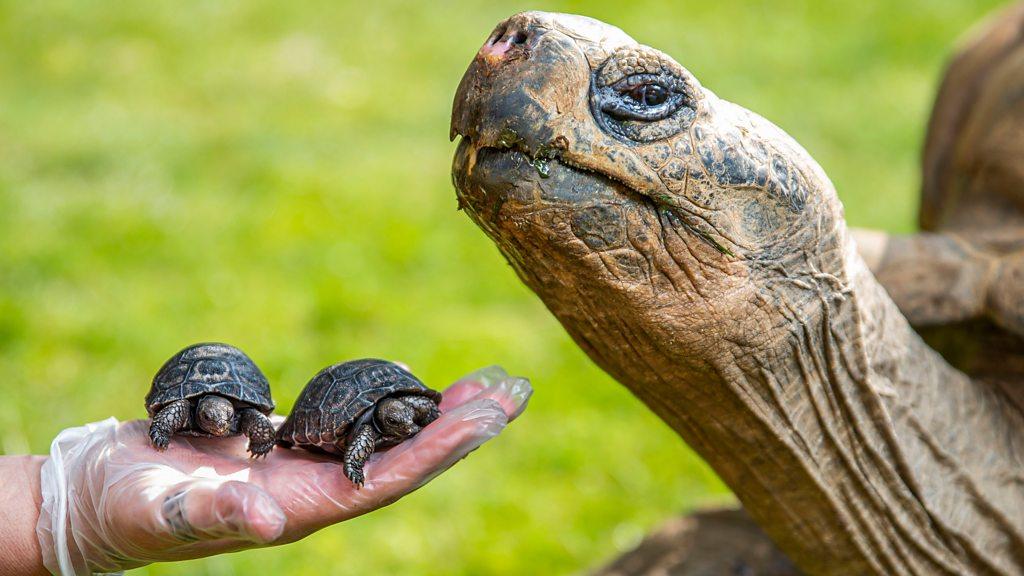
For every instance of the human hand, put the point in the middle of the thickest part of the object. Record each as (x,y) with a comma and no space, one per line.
(128,505)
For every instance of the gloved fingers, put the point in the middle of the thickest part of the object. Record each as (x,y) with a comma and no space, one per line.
(129,505)
(474,410)
(447,440)
(512,392)
(212,510)
(328,497)
(147,519)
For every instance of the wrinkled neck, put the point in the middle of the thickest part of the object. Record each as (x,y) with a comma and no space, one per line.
(845,429)
(830,422)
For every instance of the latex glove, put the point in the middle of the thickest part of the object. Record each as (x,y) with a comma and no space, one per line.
(112,502)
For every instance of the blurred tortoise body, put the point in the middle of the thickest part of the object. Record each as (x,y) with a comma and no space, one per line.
(960,283)
(353,408)
(699,255)
(211,390)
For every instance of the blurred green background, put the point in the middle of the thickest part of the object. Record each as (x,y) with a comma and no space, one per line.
(276,175)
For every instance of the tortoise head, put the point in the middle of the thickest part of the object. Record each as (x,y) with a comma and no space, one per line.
(396,419)
(615,184)
(215,414)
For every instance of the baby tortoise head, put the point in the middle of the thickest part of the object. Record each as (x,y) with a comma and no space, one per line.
(599,163)
(215,414)
(396,419)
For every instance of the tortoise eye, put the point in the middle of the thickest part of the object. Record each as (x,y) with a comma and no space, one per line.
(649,94)
(641,95)
(644,98)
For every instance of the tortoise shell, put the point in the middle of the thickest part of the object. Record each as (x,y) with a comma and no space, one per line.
(342,394)
(210,368)
(972,176)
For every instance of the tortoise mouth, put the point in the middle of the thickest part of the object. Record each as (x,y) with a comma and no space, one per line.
(489,180)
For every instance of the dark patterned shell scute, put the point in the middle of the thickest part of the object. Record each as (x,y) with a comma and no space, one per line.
(338,395)
(210,368)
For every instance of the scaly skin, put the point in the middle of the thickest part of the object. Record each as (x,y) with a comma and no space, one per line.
(258,429)
(424,409)
(700,257)
(361,444)
(168,421)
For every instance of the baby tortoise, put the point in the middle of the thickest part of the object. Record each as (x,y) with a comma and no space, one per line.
(354,408)
(211,390)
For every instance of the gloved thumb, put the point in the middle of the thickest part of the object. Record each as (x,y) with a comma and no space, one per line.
(215,510)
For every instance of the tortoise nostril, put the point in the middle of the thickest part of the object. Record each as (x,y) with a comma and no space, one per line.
(510,38)
(497,35)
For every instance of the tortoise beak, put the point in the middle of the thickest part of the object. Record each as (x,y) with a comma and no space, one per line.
(507,97)
(492,92)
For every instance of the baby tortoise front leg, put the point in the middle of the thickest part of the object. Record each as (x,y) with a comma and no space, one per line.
(168,421)
(394,420)
(424,409)
(361,443)
(258,429)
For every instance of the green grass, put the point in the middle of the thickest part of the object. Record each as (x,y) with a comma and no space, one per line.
(276,175)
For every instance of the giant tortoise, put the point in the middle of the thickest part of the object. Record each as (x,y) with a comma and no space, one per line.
(699,255)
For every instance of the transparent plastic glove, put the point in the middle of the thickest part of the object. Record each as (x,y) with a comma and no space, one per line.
(112,502)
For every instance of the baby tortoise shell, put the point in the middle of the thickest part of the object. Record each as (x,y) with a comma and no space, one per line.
(336,411)
(210,368)
(211,390)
